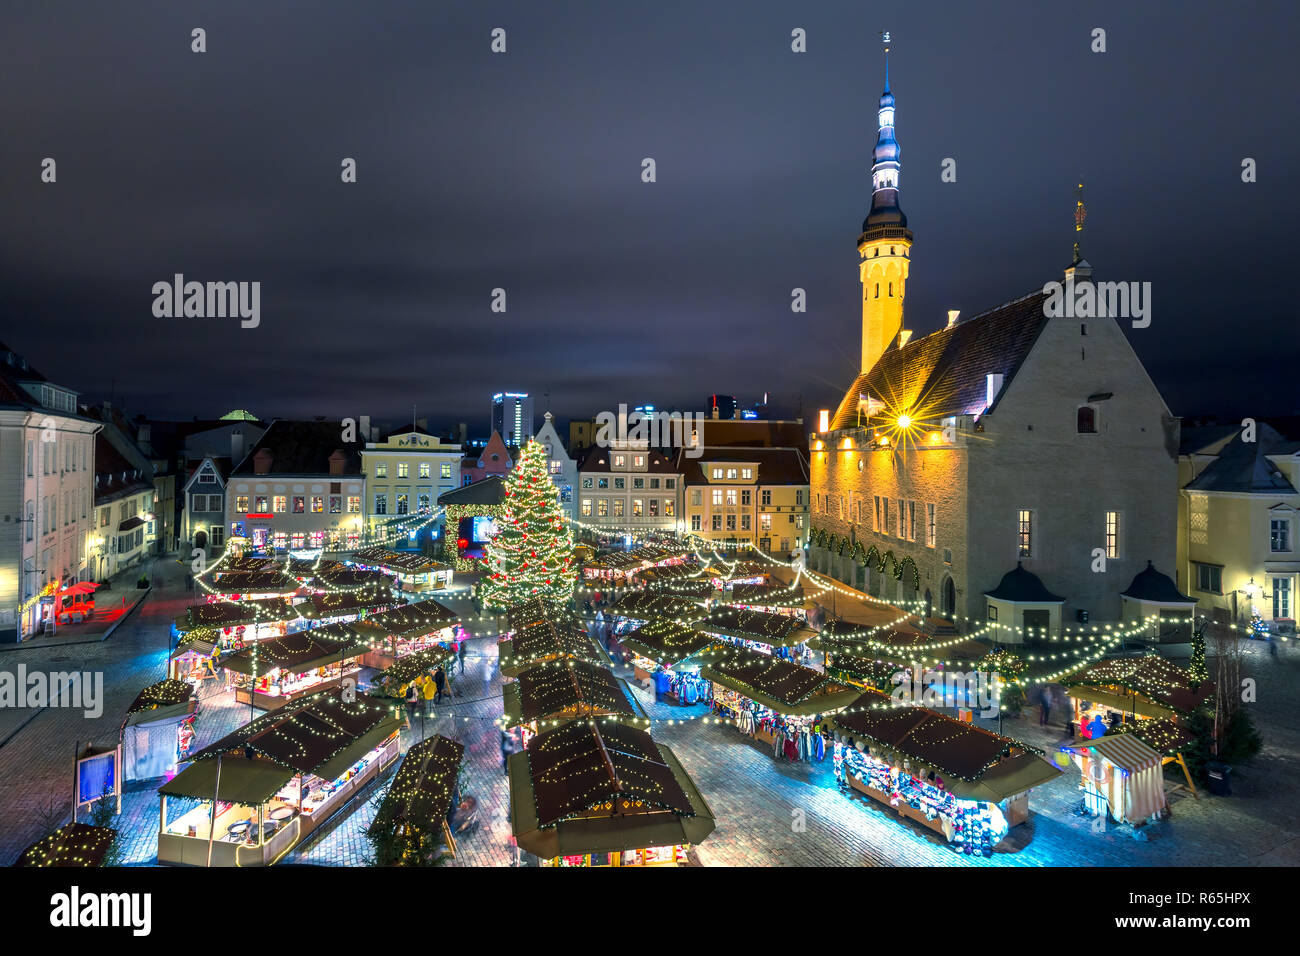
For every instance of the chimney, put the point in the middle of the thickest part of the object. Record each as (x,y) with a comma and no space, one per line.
(365,428)
(236,446)
(262,461)
(952,317)
(336,462)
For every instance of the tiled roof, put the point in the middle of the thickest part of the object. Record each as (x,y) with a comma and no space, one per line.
(1244,466)
(946,372)
(776,466)
(598,459)
(303,448)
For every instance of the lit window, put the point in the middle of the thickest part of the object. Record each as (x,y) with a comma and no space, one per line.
(1026,533)
(1279,534)
(1112,534)
(404,470)
(424,469)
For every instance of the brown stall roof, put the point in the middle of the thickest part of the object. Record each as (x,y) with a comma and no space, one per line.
(643,605)
(778,684)
(421,792)
(775,629)
(573,688)
(1149,683)
(298,652)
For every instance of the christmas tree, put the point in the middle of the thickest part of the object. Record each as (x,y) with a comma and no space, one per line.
(1197,668)
(531,555)
(1258,629)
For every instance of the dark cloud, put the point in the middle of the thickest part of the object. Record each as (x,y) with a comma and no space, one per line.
(522,171)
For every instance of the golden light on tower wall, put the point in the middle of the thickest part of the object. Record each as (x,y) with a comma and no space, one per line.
(824,420)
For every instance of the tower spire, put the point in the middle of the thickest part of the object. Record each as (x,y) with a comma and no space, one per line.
(1080,214)
(885,244)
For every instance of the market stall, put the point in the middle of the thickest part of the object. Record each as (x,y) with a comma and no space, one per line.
(594,793)
(241,622)
(418,804)
(264,788)
(414,572)
(251,585)
(404,629)
(158,730)
(336,606)
(966,783)
(772,598)
(275,672)
(670,656)
(647,605)
(540,633)
(779,634)
(1121,778)
(1151,693)
(393,680)
(777,704)
(551,694)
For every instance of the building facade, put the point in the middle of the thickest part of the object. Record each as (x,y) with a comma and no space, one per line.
(1237,522)
(47,459)
(755,497)
(562,469)
(301,486)
(405,474)
(628,487)
(1008,441)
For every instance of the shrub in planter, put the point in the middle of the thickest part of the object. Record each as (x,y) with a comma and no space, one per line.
(143,582)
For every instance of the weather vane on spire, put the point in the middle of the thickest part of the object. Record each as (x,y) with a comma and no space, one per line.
(1080,214)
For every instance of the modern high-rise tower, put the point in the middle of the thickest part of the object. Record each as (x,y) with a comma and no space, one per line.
(512,416)
(885,244)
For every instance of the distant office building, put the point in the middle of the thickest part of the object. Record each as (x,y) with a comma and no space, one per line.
(512,417)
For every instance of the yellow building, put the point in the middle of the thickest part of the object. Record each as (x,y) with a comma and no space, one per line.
(1237,522)
(753,496)
(405,473)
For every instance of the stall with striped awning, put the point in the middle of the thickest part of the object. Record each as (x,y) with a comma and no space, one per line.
(1122,777)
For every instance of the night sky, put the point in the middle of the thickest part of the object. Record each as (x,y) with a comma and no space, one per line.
(523,171)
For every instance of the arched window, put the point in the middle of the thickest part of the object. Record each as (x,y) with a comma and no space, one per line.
(891,290)
(877,290)
(1086,420)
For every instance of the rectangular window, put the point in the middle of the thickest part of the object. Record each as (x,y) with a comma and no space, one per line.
(765,522)
(602,482)
(670,507)
(620,484)
(602,508)
(638,507)
(746,497)
(198,502)
(765,496)
(1279,534)
(731,473)
(930,536)
(381,469)
(731,522)
(354,504)
(1026,534)
(556,467)
(731,497)
(261,504)
(697,496)
(1281,598)
(902,519)
(1112,534)
(747,473)
(299,505)
(717,496)
(637,483)
(586,482)
(403,504)
(317,504)
(993,613)
(1209,578)
(654,507)
(336,504)
(586,507)
(888,526)
(877,527)
(911,521)
(217,536)
(745,522)
(717,522)
(695,522)
(241,504)
(670,483)
(620,461)
(297,540)
(619,504)
(424,469)
(425,501)
(638,461)
(717,473)
(446,470)
(281,504)
(654,484)
(381,503)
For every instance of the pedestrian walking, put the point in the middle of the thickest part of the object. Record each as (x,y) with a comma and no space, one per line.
(1045,708)
(460,655)
(412,702)
(440,683)
(1272,646)
(507,748)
